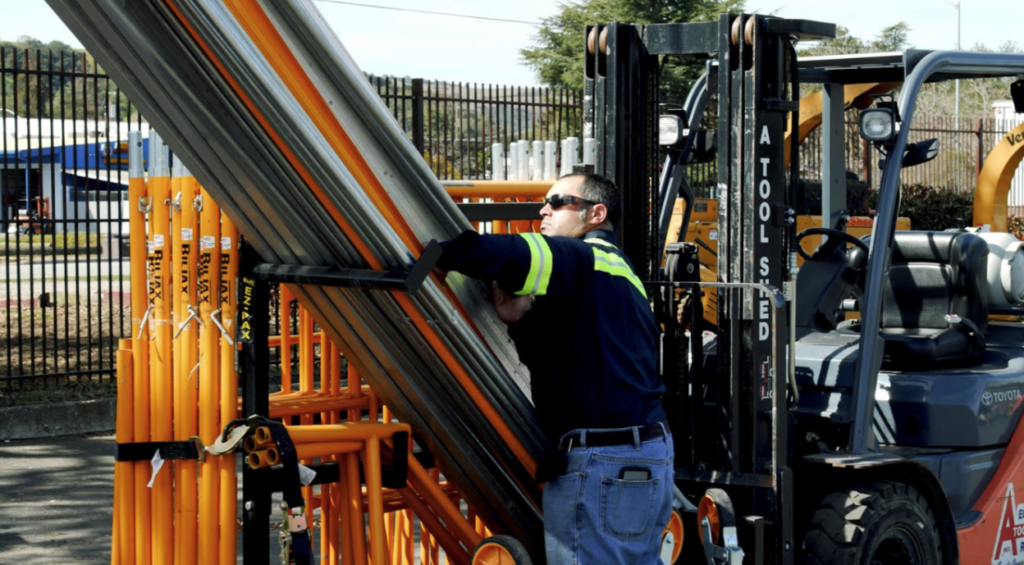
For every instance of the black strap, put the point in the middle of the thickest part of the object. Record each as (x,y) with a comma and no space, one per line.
(292,488)
(301,547)
(143,451)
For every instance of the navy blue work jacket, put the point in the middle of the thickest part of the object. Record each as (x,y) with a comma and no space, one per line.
(590,340)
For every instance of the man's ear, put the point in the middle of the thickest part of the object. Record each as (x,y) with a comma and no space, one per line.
(598,213)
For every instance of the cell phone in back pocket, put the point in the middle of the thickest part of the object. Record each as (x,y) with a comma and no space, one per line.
(635,474)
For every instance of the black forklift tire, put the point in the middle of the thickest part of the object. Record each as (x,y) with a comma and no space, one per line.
(717,507)
(500,550)
(879,523)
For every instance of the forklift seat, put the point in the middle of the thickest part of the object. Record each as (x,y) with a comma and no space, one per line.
(935,301)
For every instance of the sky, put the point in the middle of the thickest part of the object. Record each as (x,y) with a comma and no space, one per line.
(432,46)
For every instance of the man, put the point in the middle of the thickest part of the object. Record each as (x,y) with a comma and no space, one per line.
(582,324)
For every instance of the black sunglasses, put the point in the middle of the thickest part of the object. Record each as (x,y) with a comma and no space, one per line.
(556,201)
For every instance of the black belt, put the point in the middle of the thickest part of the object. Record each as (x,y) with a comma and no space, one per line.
(606,438)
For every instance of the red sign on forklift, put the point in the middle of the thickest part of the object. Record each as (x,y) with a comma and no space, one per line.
(1009,547)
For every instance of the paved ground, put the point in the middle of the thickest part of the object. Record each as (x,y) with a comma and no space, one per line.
(55,500)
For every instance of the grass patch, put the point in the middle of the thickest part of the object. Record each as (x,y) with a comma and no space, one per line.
(61,240)
(31,391)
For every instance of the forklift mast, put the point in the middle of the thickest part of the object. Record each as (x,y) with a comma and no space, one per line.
(746,396)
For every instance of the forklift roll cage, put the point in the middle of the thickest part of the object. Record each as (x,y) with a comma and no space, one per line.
(753,69)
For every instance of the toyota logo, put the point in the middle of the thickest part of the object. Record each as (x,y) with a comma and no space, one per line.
(986,398)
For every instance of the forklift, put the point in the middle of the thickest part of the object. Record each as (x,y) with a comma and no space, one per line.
(861,407)
(33,217)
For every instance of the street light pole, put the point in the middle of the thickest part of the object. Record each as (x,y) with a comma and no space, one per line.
(957,6)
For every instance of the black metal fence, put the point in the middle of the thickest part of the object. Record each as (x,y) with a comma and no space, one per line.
(963,149)
(454,124)
(65,300)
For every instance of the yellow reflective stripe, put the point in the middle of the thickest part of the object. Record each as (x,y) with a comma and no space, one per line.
(601,242)
(540,266)
(613,265)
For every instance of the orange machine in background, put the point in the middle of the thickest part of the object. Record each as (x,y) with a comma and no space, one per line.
(703,231)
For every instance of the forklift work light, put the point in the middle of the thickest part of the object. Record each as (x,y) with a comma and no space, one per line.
(877,124)
(670,130)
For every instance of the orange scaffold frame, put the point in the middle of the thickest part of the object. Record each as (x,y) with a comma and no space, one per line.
(178,370)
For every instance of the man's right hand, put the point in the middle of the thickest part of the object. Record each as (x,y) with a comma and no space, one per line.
(510,308)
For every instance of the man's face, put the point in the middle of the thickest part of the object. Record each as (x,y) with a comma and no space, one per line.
(564,220)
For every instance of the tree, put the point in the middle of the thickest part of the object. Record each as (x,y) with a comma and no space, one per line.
(55,80)
(893,38)
(558,56)
(976,95)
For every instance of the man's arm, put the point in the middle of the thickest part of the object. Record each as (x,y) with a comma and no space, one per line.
(510,308)
(524,264)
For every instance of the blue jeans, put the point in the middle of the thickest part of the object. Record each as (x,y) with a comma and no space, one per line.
(593,516)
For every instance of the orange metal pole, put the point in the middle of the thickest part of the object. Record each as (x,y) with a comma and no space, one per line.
(335,488)
(349,431)
(435,543)
(430,523)
(137,206)
(344,516)
(326,509)
(124,507)
(392,528)
(354,390)
(306,387)
(408,553)
(286,338)
(276,340)
(209,396)
(306,357)
(497,189)
(354,506)
(300,406)
(161,392)
(429,489)
(371,468)
(178,314)
(326,516)
(228,543)
(187,344)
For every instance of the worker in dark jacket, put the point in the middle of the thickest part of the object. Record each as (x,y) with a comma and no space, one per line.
(581,322)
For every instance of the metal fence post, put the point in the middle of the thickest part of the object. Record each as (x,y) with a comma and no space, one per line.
(417,114)
(980,159)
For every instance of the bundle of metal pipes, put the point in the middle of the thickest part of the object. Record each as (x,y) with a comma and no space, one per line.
(176,376)
(282,129)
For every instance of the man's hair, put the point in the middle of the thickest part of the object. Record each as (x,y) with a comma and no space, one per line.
(599,189)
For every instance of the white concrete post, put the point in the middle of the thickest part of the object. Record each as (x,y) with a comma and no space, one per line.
(524,159)
(537,170)
(513,161)
(550,149)
(589,151)
(497,161)
(569,155)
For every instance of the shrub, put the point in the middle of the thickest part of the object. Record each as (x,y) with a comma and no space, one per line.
(932,208)
(1015,225)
